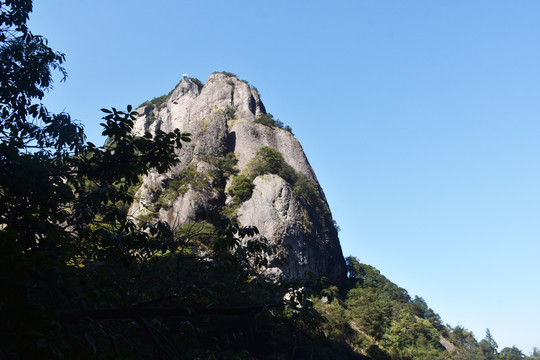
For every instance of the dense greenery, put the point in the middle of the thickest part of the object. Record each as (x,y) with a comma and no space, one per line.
(241,189)
(379,319)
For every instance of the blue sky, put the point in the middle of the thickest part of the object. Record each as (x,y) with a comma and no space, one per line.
(420,118)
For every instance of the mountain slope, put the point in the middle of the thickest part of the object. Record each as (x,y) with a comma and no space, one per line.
(244,164)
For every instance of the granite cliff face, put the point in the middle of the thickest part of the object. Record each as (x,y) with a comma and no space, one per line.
(244,164)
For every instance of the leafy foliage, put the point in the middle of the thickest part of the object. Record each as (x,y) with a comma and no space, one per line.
(380,320)
(225,164)
(241,189)
(197,82)
(157,102)
(488,346)
(153,107)
(512,353)
(79,278)
(189,178)
(268,120)
(229,74)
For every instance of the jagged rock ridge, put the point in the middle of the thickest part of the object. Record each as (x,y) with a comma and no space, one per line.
(286,203)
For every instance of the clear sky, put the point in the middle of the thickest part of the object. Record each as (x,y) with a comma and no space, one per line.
(420,118)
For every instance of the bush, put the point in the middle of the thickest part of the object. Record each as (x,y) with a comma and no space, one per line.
(226,164)
(241,189)
(156,103)
(229,74)
(197,82)
(186,179)
(268,120)
(190,178)
(267,161)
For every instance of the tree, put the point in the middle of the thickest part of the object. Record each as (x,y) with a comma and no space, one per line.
(535,354)
(78,275)
(420,307)
(463,338)
(488,346)
(512,353)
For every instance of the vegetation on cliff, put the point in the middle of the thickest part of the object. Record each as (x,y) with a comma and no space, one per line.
(81,280)
(268,120)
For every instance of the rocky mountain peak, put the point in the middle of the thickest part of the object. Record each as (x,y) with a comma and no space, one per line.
(244,164)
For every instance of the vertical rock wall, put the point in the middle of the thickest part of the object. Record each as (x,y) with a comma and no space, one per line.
(221,118)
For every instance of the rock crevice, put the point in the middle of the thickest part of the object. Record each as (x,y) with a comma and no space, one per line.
(222,119)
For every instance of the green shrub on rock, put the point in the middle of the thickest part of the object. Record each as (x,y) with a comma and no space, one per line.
(241,189)
(268,120)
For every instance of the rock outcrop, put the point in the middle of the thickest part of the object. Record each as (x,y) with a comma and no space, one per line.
(245,164)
